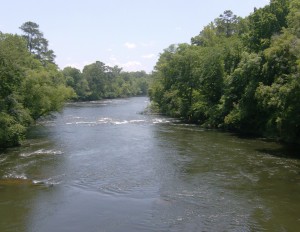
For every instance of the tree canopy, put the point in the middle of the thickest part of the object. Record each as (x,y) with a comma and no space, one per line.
(32,86)
(240,74)
(98,81)
(36,43)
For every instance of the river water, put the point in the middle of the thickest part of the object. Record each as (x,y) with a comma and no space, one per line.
(104,166)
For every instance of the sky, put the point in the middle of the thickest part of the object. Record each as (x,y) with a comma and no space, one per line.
(127,33)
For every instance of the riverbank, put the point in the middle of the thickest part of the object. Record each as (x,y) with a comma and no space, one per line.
(154,109)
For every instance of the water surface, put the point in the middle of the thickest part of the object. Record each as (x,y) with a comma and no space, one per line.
(103,166)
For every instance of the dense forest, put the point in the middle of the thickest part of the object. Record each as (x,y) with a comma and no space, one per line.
(98,81)
(239,74)
(32,86)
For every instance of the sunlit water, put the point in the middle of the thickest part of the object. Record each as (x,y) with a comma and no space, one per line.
(103,166)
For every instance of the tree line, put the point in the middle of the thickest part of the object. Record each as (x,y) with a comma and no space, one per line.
(32,86)
(240,74)
(98,81)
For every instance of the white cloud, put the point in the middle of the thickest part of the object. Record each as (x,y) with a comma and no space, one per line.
(178,28)
(109,49)
(113,58)
(132,64)
(130,45)
(79,66)
(148,56)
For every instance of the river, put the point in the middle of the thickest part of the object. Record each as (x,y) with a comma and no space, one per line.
(104,166)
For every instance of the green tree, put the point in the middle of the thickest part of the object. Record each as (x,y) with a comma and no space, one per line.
(28,89)
(227,23)
(44,91)
(266,22)
(240,105)
(75,80)
(191,80)
(242,75)
(96,75)
(279,95)
(207,37)
(294,17)
(14,118)
(36,43)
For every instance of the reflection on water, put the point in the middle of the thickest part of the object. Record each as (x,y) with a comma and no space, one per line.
(103,166)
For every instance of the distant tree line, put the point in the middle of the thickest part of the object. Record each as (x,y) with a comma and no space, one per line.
(240,74)
(98,81)
(32,86)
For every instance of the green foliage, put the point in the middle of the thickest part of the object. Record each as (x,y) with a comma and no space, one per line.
(98,81)
(266,22)
(227,24)
(239,101)
(13,116)
(238,74)
(186,74)
(42,95)
(232,50)
(279,97)
(29,89)
(36,43)
(31,86)
(207,37)
(293,17)
(75,80)
(281,101)
(11,132)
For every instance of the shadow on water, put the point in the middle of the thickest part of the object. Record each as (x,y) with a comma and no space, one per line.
(286,151)
(278,149)
(249,184)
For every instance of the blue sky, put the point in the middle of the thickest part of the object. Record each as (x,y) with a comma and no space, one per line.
(127,33)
